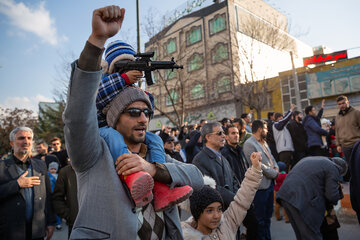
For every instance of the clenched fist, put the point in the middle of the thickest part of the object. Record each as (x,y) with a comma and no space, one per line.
(27,182)
(256,158)
(106,22)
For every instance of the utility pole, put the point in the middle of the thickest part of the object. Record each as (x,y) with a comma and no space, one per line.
(138,33)
(138,26)
(296,83)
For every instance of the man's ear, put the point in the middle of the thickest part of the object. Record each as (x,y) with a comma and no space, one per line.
(12,144)
(206,137)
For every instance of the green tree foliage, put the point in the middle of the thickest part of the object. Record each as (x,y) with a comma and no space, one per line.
(10,119)
(50,123)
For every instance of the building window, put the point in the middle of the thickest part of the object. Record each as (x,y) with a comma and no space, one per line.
(269,101)
(170,74)
(195,62)
(172,95)
(223,84)
(193,36)
(155,76)
(155,54)
(156,101)
(197,91)
(170,46)
(237,17)
(217,24)
(219,53)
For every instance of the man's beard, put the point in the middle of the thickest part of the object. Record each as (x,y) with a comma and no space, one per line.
(135,140)
(24,152)
(299,119)
(263,136)
(140,139)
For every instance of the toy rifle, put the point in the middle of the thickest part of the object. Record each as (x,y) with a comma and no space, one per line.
(145,64)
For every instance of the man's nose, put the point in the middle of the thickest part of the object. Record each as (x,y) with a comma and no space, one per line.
(143,118)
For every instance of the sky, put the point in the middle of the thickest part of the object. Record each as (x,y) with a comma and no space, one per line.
(39,38)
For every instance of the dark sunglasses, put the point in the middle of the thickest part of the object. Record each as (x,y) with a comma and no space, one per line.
(219,133)
(136,112)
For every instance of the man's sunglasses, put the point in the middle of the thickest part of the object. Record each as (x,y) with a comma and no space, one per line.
(219,133)
(136,112)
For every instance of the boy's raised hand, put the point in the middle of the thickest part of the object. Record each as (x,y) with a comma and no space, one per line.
(106,22)
(256,158)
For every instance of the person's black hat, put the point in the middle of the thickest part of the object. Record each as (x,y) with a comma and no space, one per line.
(202,198)
(167,138)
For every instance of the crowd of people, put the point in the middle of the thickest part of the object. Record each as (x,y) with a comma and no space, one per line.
(116,180)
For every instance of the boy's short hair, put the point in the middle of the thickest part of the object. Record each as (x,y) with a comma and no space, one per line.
(308,109)
(55,139)
(226,131)
(341,97)
(270,114)
(295,113)
(277,115)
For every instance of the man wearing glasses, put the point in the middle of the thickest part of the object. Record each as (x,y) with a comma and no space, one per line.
(212,163)
(106,210)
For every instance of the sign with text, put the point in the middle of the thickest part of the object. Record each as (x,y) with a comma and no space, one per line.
(333,82)
(322,58)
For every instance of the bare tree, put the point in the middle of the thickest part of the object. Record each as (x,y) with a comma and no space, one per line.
(174,90)
(251,86)
(152,22)
(62,78)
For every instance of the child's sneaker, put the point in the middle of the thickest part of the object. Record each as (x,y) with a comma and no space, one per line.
(140,185)
(164,197)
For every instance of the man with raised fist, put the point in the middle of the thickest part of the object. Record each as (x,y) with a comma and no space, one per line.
(106,207)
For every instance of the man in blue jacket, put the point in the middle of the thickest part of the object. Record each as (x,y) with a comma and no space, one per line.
(314,131)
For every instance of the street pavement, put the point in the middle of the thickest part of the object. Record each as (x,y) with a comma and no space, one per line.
(349,230)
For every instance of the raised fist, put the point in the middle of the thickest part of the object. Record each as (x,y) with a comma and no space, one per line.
(106,22)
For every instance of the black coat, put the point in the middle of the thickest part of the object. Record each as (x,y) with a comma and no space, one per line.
(175,155)
(220,170)
(12,202)
(64,197)
(298,136)
(355,179)
(307,187)
(237,160)
(193,147)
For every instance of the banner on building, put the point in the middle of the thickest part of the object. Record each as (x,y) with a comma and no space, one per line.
(322,58)
(333,82)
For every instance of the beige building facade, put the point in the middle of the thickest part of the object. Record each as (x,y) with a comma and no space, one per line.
(214,44)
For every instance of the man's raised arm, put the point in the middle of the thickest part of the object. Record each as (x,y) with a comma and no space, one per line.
(80,118)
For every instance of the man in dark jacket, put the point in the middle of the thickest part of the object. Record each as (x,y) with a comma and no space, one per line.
(213,164)
(60,153)
(355,179)
(25,207)
(305,191)
(314,131)
(64,197)
(170,148)
(298,136)
(194,146)
(234,154)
